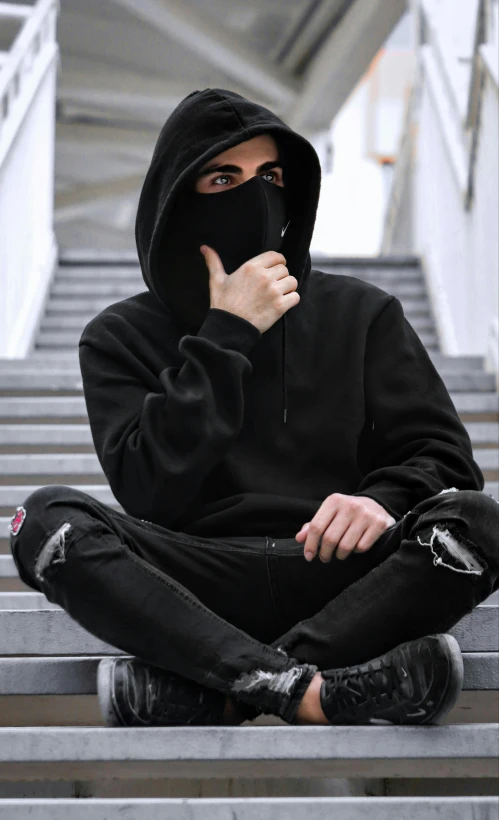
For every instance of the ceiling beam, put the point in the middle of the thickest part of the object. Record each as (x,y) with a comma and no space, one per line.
(146,99)
(217,46)
(106,137)
(342,60)
(110,93)
(311,30)
(79,198)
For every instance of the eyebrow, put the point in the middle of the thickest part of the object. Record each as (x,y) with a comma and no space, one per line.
(235,169)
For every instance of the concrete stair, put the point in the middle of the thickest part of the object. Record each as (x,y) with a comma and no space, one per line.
(44,433)
(253,808)
(52,736)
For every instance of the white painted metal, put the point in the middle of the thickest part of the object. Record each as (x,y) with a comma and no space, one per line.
(14,10)
(27,241)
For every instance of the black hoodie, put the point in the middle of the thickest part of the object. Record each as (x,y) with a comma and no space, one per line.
(189,423)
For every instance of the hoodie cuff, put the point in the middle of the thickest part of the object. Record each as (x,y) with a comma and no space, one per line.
(229,330)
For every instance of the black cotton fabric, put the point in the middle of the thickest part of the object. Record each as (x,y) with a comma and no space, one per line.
(209,427)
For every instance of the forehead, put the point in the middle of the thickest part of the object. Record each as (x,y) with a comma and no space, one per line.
(258,149)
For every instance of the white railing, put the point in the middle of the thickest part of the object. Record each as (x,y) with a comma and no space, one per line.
(28,249)
(450,153)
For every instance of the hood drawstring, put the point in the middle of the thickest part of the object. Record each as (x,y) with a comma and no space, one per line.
(284,385)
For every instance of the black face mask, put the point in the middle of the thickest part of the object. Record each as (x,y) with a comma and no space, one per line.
(239,224)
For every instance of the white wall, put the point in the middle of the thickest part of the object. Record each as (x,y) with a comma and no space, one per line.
(459,246)
(366,131)
(349,218)
(456,204)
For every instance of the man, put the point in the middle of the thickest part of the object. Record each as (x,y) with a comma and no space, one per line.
(303,518)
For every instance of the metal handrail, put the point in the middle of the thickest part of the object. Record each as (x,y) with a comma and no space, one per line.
(16,65)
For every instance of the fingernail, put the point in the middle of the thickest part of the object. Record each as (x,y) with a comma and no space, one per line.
(202,248)
(309,556)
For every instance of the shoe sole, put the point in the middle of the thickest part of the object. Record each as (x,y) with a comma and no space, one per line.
(456,679)
(105,684)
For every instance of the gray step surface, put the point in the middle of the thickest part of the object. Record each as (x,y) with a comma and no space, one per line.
(115,290)
(54,632)
(42,406)
(71,338)
(78,675)
(114,275)
(50,464)
(98,256)
(47,359)
(78,304)
(88,464)
(49,434)
(77,321)
(14,495)
(66,434)
(24,600)
(32,406)
(30,377)
(466,750)
(252,808)
(94,304)
(123,288)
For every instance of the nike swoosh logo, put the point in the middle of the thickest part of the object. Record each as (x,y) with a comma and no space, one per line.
(419,713)
(285,229)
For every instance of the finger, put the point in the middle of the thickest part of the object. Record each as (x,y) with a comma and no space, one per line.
(213,262)
(333,535)
(311,543)
(280,272)
(302,534)
(270,258)
(368,539)
(318,525)
(351,539)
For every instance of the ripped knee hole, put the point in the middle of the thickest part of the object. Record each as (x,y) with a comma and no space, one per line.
(53,551)
(448,552)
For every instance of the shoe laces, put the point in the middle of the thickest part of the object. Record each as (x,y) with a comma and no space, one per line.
(161,696)
(355,685)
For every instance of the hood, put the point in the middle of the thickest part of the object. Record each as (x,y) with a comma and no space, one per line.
(204,124)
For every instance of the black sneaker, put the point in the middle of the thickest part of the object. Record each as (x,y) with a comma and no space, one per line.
(133,693)
(417,682)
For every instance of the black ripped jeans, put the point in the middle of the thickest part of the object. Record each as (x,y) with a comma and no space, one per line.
(218,610)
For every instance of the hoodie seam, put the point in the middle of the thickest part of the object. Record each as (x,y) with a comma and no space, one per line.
(241,123)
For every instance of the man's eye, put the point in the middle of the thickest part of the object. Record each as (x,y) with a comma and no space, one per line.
(222,177)
(270,173)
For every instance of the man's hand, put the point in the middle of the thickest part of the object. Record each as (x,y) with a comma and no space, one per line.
(346,523)
(260,291)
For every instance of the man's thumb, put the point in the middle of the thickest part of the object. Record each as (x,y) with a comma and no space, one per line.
(213,263)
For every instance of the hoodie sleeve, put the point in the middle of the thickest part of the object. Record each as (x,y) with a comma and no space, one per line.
(420,445)
(156,446)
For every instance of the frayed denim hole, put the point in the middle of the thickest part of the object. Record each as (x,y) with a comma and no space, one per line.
(53,551)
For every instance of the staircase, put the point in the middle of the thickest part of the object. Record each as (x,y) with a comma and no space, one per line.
(45,439)
(44,432)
